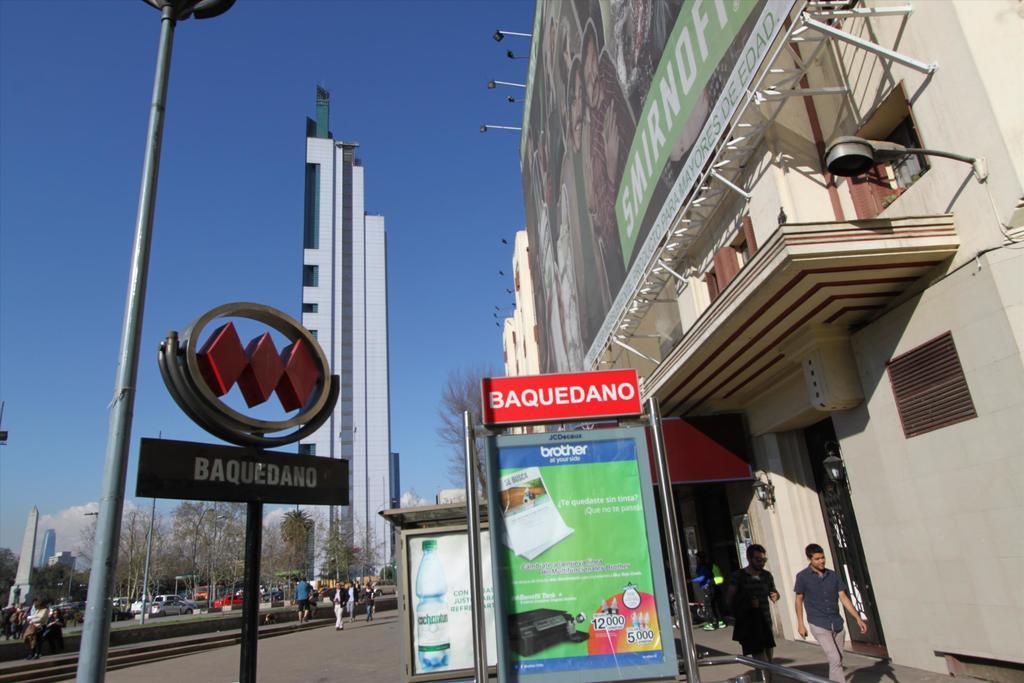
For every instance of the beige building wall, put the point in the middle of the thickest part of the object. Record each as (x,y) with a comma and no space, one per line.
(939,514)
(519,332)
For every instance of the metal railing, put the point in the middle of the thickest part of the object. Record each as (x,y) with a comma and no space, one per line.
(777,669)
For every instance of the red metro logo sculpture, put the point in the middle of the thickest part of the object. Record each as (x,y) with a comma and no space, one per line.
(197,376)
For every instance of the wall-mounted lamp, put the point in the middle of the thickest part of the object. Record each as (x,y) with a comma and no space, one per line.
(764,490)
(487,126)
(499,35)
(833,463)
(512,55)
(849,156)
(491,85)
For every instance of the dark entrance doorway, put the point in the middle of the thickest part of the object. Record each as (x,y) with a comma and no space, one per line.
(844,538)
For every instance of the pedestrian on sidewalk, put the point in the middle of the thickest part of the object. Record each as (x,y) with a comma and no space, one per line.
(303,590)
(339,598)
(36,623)
(819,591)
(370,600)
(707,580)
(351,601)
(749,594)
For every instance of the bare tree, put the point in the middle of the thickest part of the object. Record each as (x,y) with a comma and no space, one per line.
(132,552)
(369,554)
(205,541)
(461,393)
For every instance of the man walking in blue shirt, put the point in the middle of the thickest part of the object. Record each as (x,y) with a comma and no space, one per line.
(303,590)
(818,591)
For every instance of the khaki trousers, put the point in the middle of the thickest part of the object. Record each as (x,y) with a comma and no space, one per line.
(832,643)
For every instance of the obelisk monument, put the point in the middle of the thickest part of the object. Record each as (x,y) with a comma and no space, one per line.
(20,591)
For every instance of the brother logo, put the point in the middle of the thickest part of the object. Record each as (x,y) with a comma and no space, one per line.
(562,451)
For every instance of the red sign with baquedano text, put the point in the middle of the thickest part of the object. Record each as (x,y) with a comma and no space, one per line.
(560,398)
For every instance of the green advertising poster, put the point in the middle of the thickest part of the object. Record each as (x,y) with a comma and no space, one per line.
(578,568)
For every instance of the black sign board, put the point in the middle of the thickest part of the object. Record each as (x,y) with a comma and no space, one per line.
(185,470)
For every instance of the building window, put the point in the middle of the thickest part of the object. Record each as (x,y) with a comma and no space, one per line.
(875,190)
(745,244)
(711,280)
(311,208)
(908,169)
(314,333)
(310,308)
(310,276)
(307,449)
(930,388)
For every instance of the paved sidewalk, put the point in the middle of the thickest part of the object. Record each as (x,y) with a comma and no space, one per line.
(368,652)
(807,656)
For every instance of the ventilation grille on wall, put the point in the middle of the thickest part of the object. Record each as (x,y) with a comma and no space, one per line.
(930,388)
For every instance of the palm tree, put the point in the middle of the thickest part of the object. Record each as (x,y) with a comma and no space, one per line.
(296,529)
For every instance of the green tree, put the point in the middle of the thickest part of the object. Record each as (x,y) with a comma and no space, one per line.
(296,532)
(8,571)
(338,555)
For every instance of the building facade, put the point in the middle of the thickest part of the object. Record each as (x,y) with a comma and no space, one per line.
(519,331)
(48,547)
(863,325)
(64,559)
(344,304)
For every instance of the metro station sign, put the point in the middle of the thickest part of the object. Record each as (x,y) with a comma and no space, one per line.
(184,470)
(568,397)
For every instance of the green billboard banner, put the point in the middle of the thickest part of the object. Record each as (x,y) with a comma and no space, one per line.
(694,52)
(577,563)
(626,104)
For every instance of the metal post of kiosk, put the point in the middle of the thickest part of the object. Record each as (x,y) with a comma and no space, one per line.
(251,592)
(671,527)
(473,536)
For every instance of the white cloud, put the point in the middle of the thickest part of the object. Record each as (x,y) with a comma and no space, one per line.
(274,517)
(69,523)
(410,499)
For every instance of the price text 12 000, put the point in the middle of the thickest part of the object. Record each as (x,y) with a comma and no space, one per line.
(608,622)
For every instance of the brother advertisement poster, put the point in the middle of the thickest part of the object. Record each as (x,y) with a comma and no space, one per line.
(577,559)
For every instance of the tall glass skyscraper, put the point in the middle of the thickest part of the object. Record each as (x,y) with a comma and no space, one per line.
(344,303)
(48,547)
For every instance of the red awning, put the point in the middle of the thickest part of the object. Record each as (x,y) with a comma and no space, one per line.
(704,449)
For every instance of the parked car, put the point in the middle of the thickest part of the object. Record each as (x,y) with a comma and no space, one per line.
(170,604)
(384,589)
(229,600)
(136,608)
(120,609)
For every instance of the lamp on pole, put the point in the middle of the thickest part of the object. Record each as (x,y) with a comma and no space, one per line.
(145,572)
(92,662)
(499,35)
(211,588)
(850,156)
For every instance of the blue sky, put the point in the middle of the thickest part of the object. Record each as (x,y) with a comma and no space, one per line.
(407,81)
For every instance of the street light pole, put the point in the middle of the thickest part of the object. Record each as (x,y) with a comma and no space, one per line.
(145,572)
(92,661)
